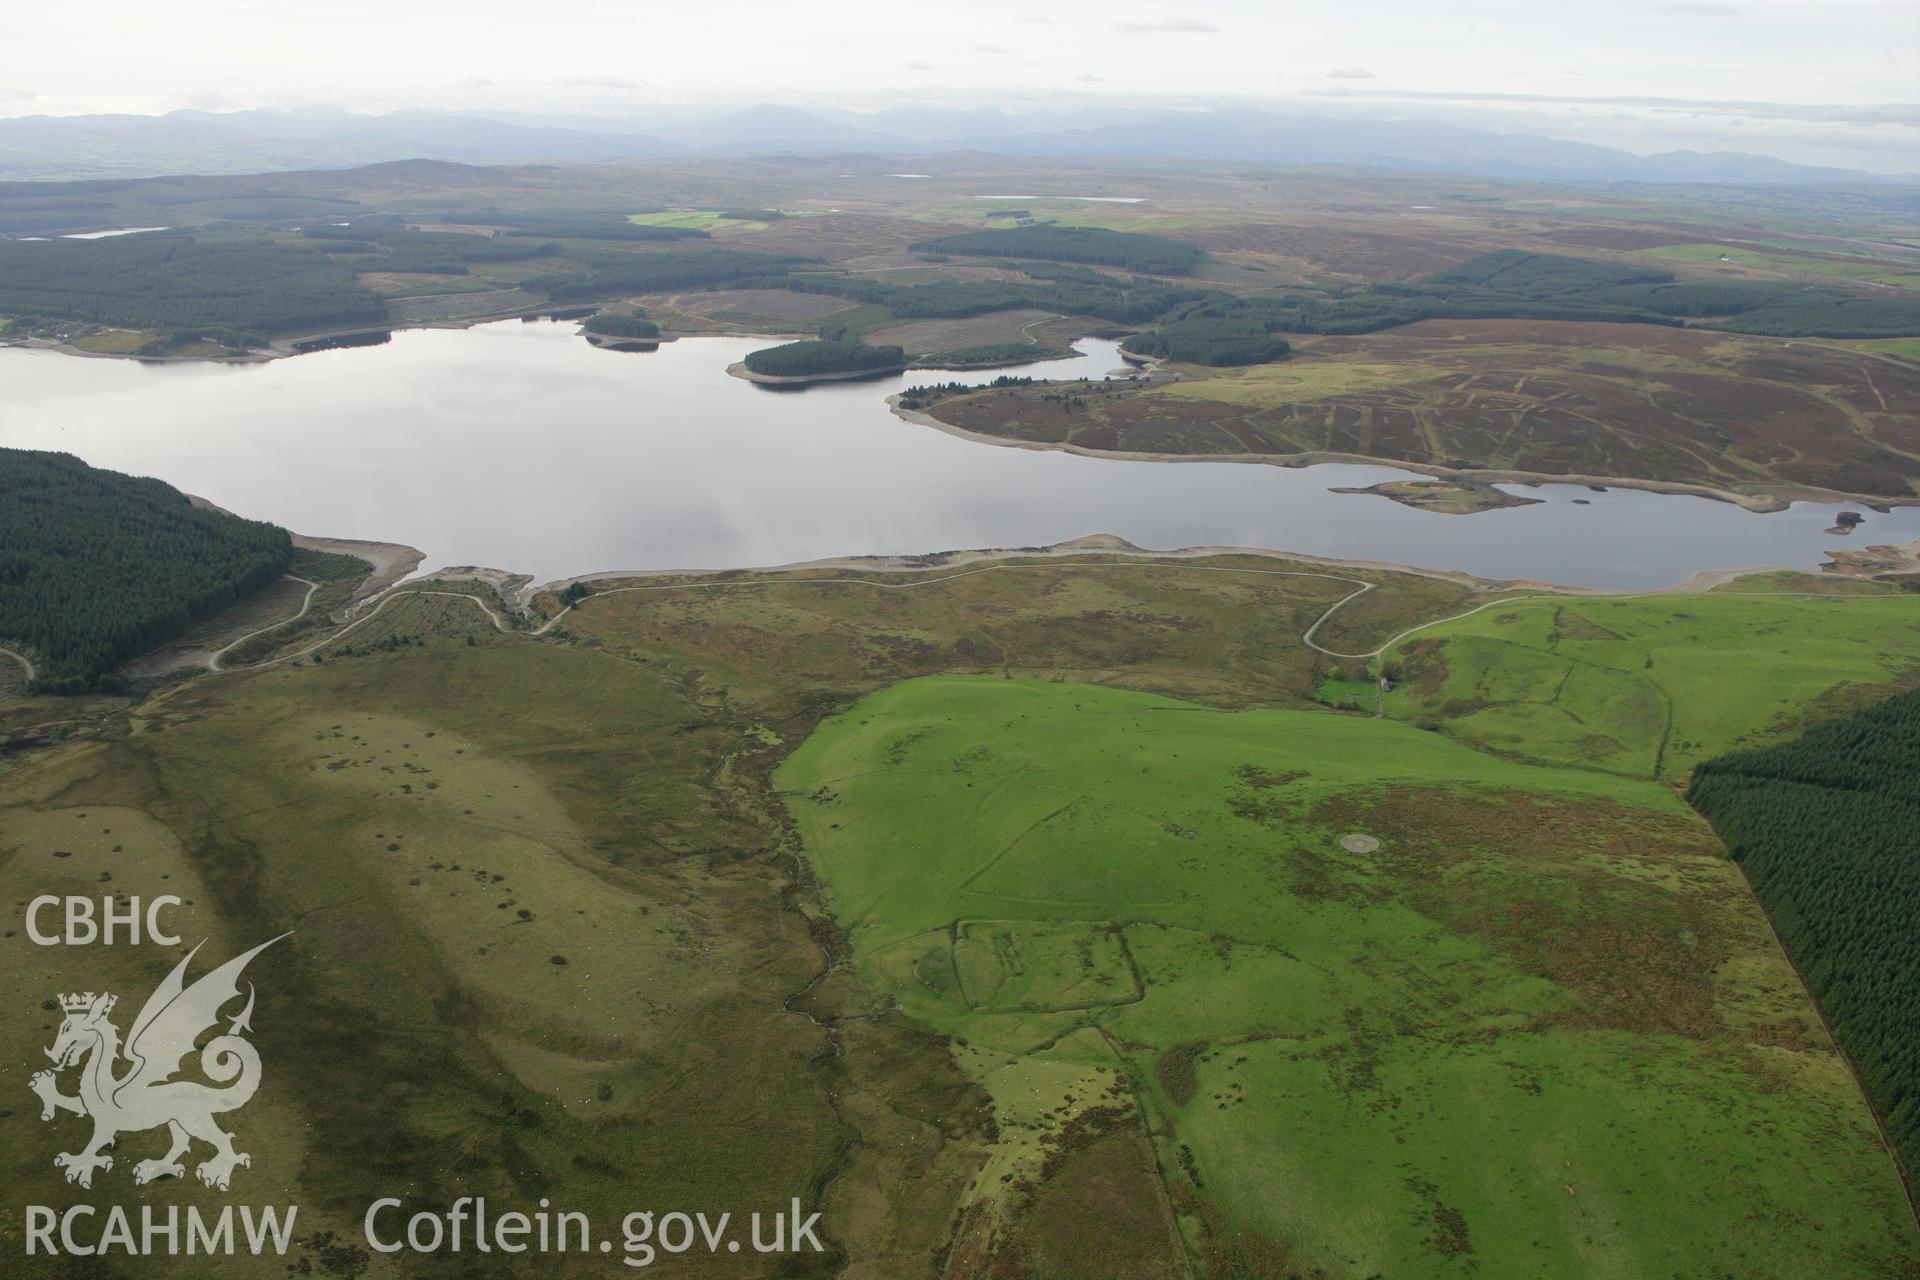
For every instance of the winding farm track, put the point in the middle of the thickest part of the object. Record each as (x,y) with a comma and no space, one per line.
(213,659)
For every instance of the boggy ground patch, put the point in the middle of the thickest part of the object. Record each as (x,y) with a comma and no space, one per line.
(1623,907)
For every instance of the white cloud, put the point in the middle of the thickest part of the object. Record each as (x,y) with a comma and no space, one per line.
(1793,69)
(1166,26)
(592,82)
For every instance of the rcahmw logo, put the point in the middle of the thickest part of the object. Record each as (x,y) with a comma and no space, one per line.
(129,1087)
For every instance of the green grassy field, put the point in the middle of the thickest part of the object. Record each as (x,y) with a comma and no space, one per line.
(1887,271)
(1908,347)
(116,341)
(1539,1030)
(716,220)
(1650,686)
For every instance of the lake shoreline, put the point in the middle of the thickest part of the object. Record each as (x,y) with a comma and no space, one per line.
(1762,502)
(518,590)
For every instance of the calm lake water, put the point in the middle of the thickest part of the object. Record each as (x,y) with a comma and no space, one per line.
(518,445)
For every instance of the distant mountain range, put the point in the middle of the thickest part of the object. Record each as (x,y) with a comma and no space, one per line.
(181,142)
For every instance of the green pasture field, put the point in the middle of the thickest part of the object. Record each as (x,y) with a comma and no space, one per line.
(1882,271)
(1348,694)
(1908,347)
(697,219)
(1649,686)
(116,341)
(1541,1029)
(709,219)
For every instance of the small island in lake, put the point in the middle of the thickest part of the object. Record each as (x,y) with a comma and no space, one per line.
(1448,497)
(818,360)
(620,332)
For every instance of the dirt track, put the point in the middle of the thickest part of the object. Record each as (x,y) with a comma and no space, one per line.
(214,658)
(26,664)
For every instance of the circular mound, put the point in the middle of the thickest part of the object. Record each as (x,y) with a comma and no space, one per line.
(1355,842)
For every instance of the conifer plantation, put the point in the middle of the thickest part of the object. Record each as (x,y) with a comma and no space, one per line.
(1828,829)
(97,567)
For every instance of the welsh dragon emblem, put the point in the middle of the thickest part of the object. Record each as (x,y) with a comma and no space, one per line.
(145,1094)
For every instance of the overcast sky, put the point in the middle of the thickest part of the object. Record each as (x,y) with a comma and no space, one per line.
(1834,81)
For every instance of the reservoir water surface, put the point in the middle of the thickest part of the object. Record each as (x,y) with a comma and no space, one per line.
(518,445)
